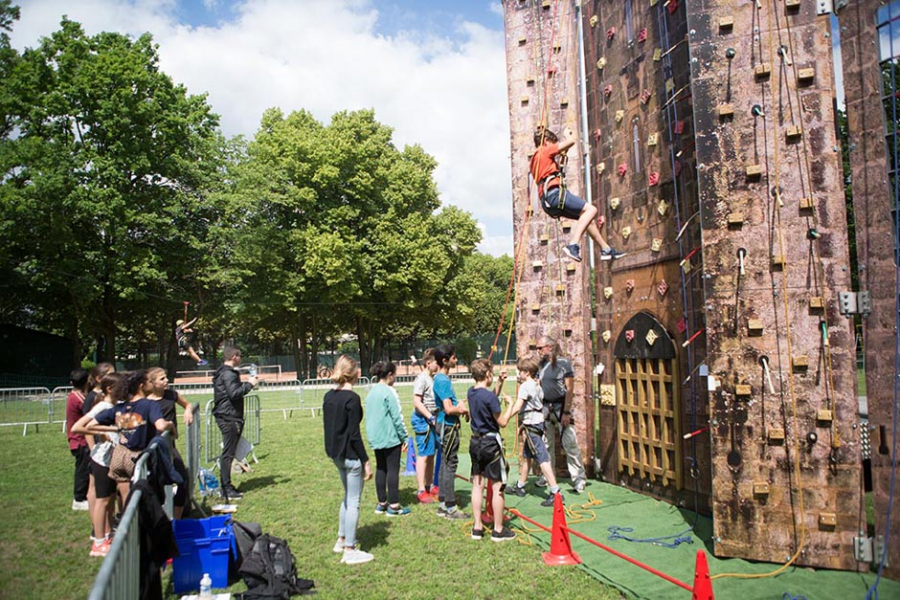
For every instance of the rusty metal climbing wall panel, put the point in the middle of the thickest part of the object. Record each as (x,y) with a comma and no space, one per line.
(785,458)
(865,85)
(642,169)
(552,298)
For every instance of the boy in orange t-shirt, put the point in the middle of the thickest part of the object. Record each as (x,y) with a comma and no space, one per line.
(559,202)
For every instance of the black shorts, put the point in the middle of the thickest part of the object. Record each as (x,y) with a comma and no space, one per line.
(183,342)
(487,458)
(104,487)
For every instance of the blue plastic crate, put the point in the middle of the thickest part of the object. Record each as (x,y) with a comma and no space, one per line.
(205,546)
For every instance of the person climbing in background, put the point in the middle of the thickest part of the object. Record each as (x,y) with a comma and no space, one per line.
(182,329)
(557,201)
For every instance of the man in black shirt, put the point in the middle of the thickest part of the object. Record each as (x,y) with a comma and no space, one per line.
(228,409)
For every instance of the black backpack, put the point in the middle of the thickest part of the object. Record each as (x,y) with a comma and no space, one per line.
(269,571)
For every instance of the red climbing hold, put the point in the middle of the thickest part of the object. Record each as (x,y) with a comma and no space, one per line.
(629,335)
(607,90)
(679,127)
(645,96)
(642,35)
(662,288)
(654,178)
(622,169)
(610,33)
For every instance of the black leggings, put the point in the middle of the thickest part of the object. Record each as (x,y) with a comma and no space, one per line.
(387,474)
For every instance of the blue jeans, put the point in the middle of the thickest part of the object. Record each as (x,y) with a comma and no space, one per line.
(571,208)
(352,477)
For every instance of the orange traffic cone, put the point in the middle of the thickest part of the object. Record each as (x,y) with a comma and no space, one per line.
(560,548)
(702,583)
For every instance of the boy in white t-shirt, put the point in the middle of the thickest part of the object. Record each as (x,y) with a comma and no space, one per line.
(529,402)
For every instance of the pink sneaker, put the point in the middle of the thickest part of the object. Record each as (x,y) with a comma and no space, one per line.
(424,498)
(435,490)
(100,548)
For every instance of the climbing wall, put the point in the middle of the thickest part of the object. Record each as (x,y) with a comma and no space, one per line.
(785,457)
(552,293)
(864,88)
(649,303)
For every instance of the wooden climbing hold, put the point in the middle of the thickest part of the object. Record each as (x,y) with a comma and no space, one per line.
(566,226)
(651,337)
(560,289)
(754,326)
(816,303)
(601,62)
(743,390)
(570,267)
(663,208)
(753,171)
(620,114)
(545,4)
(523,41)
(608,292)
(532,344)
(827,519)
(525,100)
(726,110)
(652,139)
(726,23)
(806,203)
(564,103)
(601,167)
(791,4)
(806,75)
(762,70)
(760,488)
(544,238)
(535,308)
(537,265)
(614,202)
(657,54)
(594,20)
(778,261)
(735,219)
(656,245)
(776,436)
(606,335)
(794,131)
(626,232)
(824,415)
(800,362)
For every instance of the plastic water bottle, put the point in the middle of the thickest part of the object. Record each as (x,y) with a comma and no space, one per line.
(205,588)
(252,370)
(209,483)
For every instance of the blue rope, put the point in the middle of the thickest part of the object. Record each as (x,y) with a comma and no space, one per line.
(615,533)
(788,596)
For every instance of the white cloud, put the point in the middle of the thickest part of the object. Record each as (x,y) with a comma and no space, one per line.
(447,94)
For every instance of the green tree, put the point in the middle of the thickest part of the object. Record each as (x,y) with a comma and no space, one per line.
(103,158)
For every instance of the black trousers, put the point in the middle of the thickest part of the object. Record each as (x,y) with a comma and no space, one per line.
(387,474)
(82,456)
(231,435)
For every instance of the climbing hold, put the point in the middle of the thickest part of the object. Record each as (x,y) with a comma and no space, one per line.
(735,219)
(607,292)
(800,363)
(607,91)
(653,178)
(656,245)
(523,41)
(726,23)
(600,168)
(657,55)
(629,286)
(816,303)
(622,169)
(662,288)
(606,335)
(794,131)
(757,111)
(806,203)
(629,335)
(626,233)
(813,234)
(663,208)
(564,103)
(535,308)
(789,4)
(743,390)
(614,203)
(754,326)
(778,261)
(681,326)
(537,265)
(594,20)
(762,70)
(825,415)
(652,139)
(651,337)
(645,96)
(642,35)
(752,171)
(525,100)
(679,127)
(560,289)
(551,71)
(601,62)
(730,53)
(726,110)
(610,33)
(670,85)
(570,267)
(544,238)
(620,114)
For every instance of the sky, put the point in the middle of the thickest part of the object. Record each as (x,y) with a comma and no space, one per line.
(433,70)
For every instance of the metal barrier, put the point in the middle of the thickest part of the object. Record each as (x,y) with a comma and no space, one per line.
(120,573)
(27,406)
(192,450)
(252,430)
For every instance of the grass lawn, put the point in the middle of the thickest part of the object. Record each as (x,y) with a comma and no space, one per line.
(294,492)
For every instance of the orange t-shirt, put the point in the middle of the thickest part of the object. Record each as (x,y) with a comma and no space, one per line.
(543,165)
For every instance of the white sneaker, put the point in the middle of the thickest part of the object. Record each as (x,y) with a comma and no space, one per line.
(338,547)
(541,481)
(579,487)
(355,556)
(76,505)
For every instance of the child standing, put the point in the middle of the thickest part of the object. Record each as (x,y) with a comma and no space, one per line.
(529,402)
(387,436)
(448,412)
(486,448)
(423,423)
(77,444)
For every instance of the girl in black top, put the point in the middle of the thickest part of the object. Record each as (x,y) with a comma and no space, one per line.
(341,416)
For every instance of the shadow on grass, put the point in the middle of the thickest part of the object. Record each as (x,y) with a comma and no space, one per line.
(261,482)
(373,535)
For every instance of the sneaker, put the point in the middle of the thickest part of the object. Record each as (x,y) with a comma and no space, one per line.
(551,499)
(477,534)
(579,487)
(541,481)
(424,498)
(503,536)
(338,547)
(435,490)
(355,556)
(232,493)
(100,547)
(456,515)
(381,509)
(202,363)
(515,490)
(573,251)
(397,512)
(83,505)
(611,254)
(442,511)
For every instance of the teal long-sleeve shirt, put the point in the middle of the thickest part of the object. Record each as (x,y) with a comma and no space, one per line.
(384,420)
